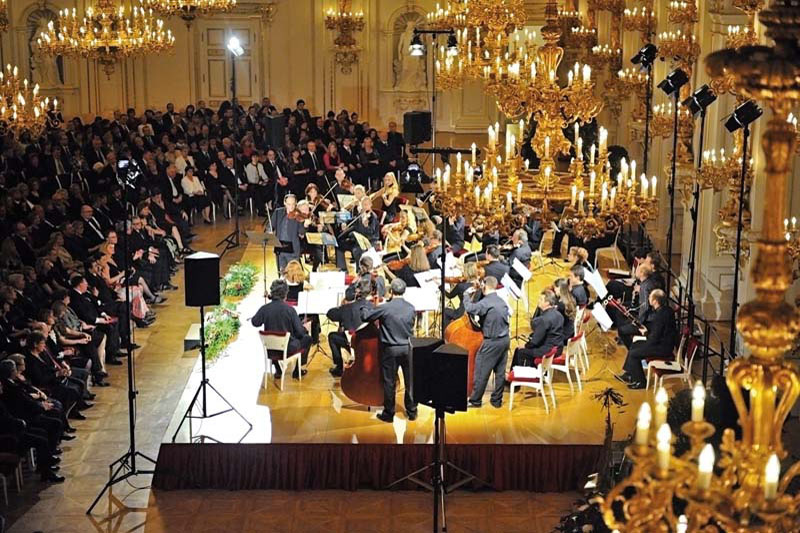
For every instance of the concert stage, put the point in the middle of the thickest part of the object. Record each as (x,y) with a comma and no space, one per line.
(310,436)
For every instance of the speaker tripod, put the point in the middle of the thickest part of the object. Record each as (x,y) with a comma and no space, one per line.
(202,389)
(438,485)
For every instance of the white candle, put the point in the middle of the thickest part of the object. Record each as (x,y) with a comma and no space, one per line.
(577,133)
(772,473)
(591,155)
(527,164)
(705,466)
(579,149)
(683,524)
(613,197)
(592,177)
(644,186)
(653,187)
(587,73)
(698,401)
(494,177)
(547,147)
(663,438)
(642,424)
(474,151)
(521,128)
(580,202)
(519,192)
(458,163)
(574,195)
(533,70)
(569,78)
(552,76)
(633,168)
(438,177)
(661,406)
(508,201)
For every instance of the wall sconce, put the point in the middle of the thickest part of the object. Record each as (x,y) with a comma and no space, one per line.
(346,23)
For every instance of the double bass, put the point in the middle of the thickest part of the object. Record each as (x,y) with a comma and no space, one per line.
(362,381)
(465,331)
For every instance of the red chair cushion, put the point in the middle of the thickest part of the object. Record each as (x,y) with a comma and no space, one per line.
(576,337)
(560,360)
(665,358)
(511,377)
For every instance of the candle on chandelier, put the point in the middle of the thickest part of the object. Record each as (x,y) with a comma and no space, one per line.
(587,73)
(474,151)
(633,167)
(603,140)
(581,196)
(438,177)
(547,147)
(642,424)
(508,201)
(527,164)
(574,195)
(592,177)
(661,406)
(591,154)
(552,76)
(663,438)
(519,192)
(644,186)
(705,466)
(698,401)
(569,78)
(458,162)
(491,139)
(579,149)
(603,196)
(683,524)
(533,70)
(494,177)
(613,197)
(521,128)
(772,474)
(577,135)
(653,182)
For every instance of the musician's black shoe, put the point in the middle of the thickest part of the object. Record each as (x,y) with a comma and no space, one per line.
(624,377)
(474,404)
(637,385)
(385,417)
(295,375)
(411,416)
(336,371)
(497,405)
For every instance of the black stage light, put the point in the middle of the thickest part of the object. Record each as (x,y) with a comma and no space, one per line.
(645,56)
(452,45)
(700,99)
(416,48)
(674,81)
(743,115)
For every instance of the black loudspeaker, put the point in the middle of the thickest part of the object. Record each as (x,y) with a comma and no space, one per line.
(275,129)
(201,274)
(417,127)
(439,374)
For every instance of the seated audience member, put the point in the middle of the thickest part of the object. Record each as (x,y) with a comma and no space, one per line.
(547,332)
(281,317)
(660,332)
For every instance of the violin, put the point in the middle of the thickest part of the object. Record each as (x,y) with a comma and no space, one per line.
(397,264)
(299,216)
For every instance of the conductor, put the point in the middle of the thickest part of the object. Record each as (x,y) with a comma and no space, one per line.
(396,324)
(493,353)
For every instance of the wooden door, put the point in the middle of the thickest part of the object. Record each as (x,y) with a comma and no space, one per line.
(217,64)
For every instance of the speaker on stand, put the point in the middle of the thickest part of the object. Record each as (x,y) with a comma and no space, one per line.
(417,127)
(201,276)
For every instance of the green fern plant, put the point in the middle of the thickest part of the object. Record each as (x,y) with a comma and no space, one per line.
(240,280)
(221,328)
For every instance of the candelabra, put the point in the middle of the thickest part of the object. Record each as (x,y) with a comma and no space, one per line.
(663,119)
(682,12)
(568,19)
(449,70)
(3,15)
(498,16)
(614,6)
(605,55)
(793,245)
(638,19)
(106,34)
(507,77)
(189,9)
(21,106)
(744,490)
(346,24)
(582,36)
(739,36)
(679,46)
(448,17)
(793,121)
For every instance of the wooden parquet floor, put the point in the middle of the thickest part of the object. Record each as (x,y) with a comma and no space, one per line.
(305,412)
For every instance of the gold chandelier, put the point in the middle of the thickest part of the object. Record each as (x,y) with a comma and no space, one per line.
(188,10)
(106,33)
(21,106)
(3,15)
(744,490)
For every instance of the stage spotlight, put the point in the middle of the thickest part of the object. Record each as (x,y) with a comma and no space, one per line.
(235,47)
(674,81)
(700,99)
(645,56)
(452,45)
(743,116)
(416,48)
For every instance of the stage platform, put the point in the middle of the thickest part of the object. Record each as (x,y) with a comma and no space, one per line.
(311,427)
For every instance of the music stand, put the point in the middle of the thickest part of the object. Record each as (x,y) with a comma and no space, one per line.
(324,240)
(439,380)
(265,239)
(318,302)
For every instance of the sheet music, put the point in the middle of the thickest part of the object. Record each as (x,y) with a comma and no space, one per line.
(377,257)
(504,295)
(509,284)
(429,277)
(344,199)
(525,371)
(327,280)
(601,316)
(422,298)
(521,269)
(318,302)
(593,278)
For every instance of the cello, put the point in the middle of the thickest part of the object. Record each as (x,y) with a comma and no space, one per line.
(465,332)
(362,381)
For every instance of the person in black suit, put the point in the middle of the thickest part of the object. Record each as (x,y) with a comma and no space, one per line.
(22,244)
(301,114)
(396,327)
(278,316)
(547,331)
(576,286)
(312,161)
(495,268)
(86,307)
(95,153)
(493,353)
(661,334)
(521,252)
(287,228)
(455,232)
(42,415)
(278,176)
(348,315)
